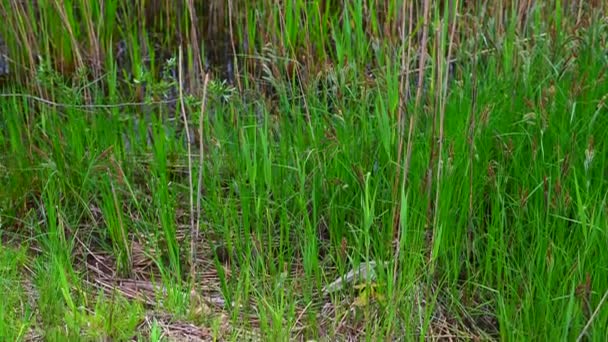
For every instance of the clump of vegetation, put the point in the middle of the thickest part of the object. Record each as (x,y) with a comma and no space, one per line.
(303,170)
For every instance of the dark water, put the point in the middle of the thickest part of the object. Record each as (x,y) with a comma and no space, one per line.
(4,69)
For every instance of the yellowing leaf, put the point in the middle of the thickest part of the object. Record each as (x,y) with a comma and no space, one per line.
(362,286)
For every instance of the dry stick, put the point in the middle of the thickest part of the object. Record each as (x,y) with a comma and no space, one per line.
(403,87)
(95,51)
(24,37)
(200,164)
(428,180)
(472,149)
(85,106)
(191,186)
(442,104)
(580,12)
(421,68)
(527,16)
(402,110)
(194,39)
(66,23)
(595,312)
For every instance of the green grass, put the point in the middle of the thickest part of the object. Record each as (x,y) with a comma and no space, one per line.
(479,188)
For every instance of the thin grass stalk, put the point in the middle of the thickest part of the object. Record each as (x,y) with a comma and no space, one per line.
(579,15)
(524,14)
(121,229)
(471,138)
(195,45)
(404,97)
(195,233)
(282,28)
(419,86)
(80,65)
(235,65)
(21,20)
(442,104)
(428,181)
(300,78)
(95,51)
(401,112)
(89,107)
(593,316)
(60,6)
(190,181)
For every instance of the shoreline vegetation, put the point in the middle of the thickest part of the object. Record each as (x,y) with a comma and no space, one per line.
(303,170)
